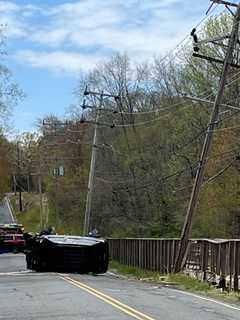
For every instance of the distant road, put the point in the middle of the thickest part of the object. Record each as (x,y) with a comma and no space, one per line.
(5,213)
(35,296)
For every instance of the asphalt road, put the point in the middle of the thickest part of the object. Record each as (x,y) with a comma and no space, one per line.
(43,296)
(5,213)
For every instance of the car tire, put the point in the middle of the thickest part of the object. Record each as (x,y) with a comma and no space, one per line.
(15,250)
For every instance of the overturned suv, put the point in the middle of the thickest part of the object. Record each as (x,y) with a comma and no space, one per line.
(66,253)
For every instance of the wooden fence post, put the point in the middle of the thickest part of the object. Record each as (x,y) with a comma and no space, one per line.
(236,266)
(204,263)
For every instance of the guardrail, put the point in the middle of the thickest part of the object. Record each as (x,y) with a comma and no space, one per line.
(205,259)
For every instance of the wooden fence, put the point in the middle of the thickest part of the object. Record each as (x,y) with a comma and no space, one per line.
(205,259)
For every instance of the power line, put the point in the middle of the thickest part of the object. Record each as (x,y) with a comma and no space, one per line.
(233,80)
(219,173)
(226,128)
(144,178)
(114,125)
(187,36)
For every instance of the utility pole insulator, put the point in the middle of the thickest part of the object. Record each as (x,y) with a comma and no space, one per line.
(226,3)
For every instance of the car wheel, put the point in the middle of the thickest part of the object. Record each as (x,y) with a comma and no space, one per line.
(15,250)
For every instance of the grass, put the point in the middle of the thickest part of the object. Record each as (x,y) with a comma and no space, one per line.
(133,272)
(179,281)
(30,219)
(30,216)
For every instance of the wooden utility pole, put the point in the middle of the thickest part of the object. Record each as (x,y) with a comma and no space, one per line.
(14,185)
(183,245)
(101,95)
(56,201)
(86,226)
(19,177)
(40,199)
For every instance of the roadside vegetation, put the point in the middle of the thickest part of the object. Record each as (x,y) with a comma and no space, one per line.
(30,216)
(179,281)
(10,95)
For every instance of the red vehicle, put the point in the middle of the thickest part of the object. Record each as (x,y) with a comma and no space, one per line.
(14,242)
(11,228)
(11,238)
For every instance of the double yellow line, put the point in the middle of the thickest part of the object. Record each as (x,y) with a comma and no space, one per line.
(113,302)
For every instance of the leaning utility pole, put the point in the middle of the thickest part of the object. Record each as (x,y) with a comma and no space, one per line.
(183,245)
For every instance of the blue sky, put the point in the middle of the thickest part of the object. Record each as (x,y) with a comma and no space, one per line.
(51,42)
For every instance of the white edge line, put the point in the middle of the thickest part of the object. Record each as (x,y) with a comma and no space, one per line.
(207,299)
(15,273)
(9,208)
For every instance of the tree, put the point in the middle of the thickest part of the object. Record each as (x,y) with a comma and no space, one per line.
(5,166)
(10,94)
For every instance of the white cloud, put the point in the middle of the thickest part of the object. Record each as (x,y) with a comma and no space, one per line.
(7,6)
(14,28)
(141,28)
(68,20)
(53,38)
(30,10)
(89,29)
(9,16)
(57,61)
(15,17)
